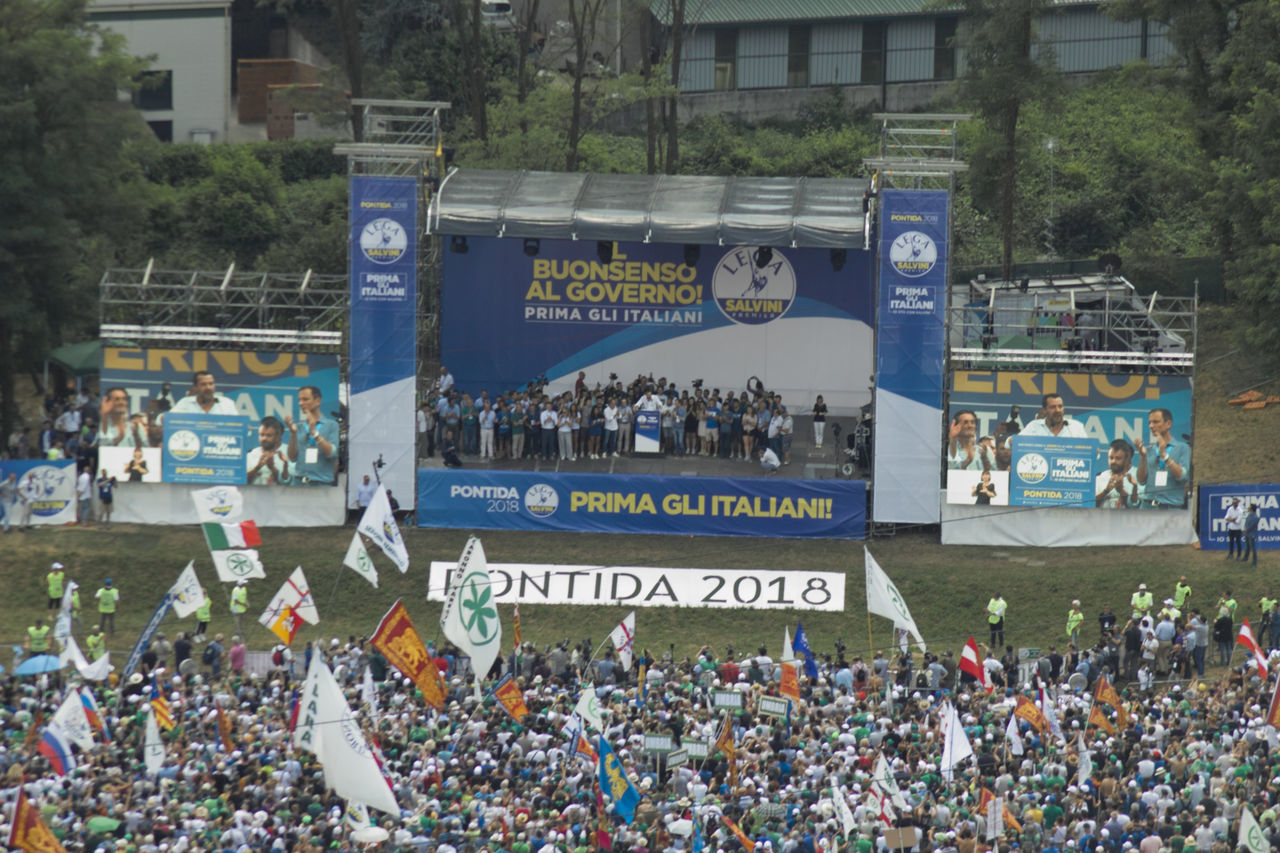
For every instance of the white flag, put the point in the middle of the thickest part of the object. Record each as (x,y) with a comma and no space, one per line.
(470,617)
(788,653)
(296,595)
(75,725)
(237,565)
(327,727)
(96,671)
(368,692)
(847,823)
(884,778)
(62,625)
(153,748)
(883,599)
(219,503)
(1013,736)
(588,708)
(624,637)
(995,817)
(956,746)
(1085,762)
(1251,835)
(188,595)
(1050,711)
(379,524)
(358,559)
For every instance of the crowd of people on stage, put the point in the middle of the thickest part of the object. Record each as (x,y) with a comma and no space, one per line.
(1176,764)
(598,422)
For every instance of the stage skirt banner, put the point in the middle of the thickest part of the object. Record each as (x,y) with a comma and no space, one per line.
(607,503)
(647,586)
(1216,499)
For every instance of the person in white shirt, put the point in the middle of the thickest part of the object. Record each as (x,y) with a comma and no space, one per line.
(611,428)
(268,464)
(488,418)
(1235,528)
(1054,422)
(203,398)
(84,493)
(769,460)
(365,492)
(445,383)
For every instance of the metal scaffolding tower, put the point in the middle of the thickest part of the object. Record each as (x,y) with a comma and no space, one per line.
(228,309)
(918,151)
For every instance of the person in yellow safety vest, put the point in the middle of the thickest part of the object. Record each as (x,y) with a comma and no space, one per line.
(1171,610)
(240,604)
(96,643)
(1074,617)
(1182,594)
(202,616)
(55,580)
(108,597)
(995,619)
(38,638)
(1227,605)
(1141,602)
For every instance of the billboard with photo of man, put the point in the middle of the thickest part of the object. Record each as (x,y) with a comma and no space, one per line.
(230,417)
(1108,441)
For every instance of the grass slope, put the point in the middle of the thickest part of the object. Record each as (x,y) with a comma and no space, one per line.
(946,588)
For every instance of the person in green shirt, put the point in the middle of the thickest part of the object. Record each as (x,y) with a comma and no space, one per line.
(38,638)
(202,615)
(96,643)
(108,598)
(1074,617)
(1182,594)
(55,580)
(240,604)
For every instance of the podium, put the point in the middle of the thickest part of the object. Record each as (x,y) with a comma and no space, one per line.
(648,433)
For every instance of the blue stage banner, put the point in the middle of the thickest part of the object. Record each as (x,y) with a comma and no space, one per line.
(910,330)
(1214,501)
(607,503)
(800,319)
(384,340)
(204,449)
(1052,471)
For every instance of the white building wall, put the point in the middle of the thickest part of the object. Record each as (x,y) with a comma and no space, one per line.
(192,41)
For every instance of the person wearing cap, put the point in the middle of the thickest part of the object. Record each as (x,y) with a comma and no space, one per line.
(108,598)
(1141,602)
(1075,616)
(55,580)
(240,603)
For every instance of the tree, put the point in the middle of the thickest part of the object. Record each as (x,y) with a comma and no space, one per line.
(583,17)
(1005,67)
(63,130)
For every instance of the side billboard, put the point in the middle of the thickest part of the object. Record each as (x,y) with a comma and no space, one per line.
(609,503)
(799,319)
(47,489)
(1096,440)
(233,417)
(1216,499)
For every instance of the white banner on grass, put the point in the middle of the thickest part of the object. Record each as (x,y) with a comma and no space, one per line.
(644,586)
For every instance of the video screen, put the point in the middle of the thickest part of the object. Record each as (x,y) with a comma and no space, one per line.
(232,417)
(1107,441)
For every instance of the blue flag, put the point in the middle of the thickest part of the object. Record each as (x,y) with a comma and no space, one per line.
(697,836)
(801,644)
(614,782)
(148,634)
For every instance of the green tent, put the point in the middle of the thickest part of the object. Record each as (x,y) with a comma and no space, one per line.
(82,359)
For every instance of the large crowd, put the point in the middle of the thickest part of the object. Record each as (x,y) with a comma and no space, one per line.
(1175,775)
(598,421)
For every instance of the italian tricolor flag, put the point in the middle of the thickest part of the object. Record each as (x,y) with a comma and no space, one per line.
(222,537)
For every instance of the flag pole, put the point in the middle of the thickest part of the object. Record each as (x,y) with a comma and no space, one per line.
(871,645)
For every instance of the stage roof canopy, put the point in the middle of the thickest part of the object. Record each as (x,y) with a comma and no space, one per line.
(802,212)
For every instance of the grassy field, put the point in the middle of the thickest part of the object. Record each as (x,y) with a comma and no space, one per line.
(946,588)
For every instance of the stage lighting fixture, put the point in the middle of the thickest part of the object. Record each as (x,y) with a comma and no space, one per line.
(838,257)
(223,319)
(604,251)
(692,252)
(763,256)
(1024,284)
(301,321)
(144,318)
(532,247)
(458,244)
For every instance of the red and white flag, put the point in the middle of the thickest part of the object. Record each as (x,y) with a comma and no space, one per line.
(971,662)
(1245,638)
(624,640)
